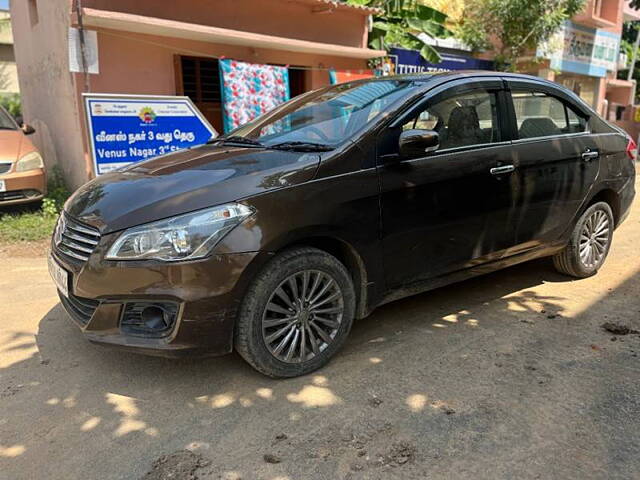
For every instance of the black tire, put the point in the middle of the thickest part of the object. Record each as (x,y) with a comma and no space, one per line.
(568,261)
(249,340)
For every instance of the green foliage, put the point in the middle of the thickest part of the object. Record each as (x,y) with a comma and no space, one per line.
(627,44)
(26,224)
(401,24)
(49,207)
(57,192)
(629,32)
(11,102)
(518,25)
(26,227)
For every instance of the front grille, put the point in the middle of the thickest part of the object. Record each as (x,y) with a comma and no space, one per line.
(81,309)
(75,240)
(14,195)
(4,167)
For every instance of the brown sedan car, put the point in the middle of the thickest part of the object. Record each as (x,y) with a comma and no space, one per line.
(272,239)
(22,176)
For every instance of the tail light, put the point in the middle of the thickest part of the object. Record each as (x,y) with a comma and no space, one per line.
(632,149)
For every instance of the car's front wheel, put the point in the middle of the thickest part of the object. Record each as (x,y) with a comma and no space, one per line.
(296,314)
(589,244)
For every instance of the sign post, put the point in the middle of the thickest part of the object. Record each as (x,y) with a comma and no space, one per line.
(125,129)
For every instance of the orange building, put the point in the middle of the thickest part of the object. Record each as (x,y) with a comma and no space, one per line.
(585,57)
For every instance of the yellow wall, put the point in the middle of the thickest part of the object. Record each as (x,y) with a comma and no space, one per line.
(8,69)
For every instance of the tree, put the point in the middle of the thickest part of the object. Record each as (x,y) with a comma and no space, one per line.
(630,30)
(511,28)
(402,23)
(10,101)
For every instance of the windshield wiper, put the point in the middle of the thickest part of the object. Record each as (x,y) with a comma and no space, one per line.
(235,139)
(302,146)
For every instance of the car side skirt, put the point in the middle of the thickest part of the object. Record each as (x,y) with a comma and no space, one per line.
(458,276)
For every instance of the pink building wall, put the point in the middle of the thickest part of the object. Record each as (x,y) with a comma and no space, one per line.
(49,99)
(133,63)
(283,18)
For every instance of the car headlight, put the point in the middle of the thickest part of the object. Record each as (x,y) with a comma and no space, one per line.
(30,161)
(184,237)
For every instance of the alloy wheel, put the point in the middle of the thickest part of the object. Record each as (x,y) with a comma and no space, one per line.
(594,239)
(303,316)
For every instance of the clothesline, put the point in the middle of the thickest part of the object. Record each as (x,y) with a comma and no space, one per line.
(219,57)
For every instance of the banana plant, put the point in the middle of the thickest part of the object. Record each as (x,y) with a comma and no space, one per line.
(401,23)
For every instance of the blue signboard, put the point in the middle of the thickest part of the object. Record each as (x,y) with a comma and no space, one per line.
(125,129)
(410,61)
(580,49)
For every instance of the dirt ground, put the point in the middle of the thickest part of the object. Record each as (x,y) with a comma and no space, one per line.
(507,376)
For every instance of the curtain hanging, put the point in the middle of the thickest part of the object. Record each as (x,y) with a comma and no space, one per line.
(249,90)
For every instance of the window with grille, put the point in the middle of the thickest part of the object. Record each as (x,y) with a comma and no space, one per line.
(201,79)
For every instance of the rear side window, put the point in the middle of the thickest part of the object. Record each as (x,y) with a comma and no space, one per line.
(577,123)
(541,115)
(462,120)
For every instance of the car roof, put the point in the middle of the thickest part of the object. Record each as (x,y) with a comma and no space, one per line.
(452,74)
(428,79)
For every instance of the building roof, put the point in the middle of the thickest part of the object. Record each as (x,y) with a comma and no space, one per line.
(94,18)
(330,5)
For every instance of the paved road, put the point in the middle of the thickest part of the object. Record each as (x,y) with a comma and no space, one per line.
(501,377)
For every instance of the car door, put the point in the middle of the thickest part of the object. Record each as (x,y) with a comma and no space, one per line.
(436,209)
(556,161)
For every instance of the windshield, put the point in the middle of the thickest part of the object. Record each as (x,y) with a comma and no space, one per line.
(6,121)
(326,117)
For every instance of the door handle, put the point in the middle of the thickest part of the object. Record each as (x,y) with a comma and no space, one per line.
(502,169)
(589,155)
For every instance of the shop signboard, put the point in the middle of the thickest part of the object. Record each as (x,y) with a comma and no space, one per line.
(410,61)
(583,50)
(125,129)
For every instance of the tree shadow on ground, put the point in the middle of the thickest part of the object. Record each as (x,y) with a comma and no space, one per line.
(83,398)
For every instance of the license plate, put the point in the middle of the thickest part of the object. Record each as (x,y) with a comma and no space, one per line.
(60,276)
(3,186)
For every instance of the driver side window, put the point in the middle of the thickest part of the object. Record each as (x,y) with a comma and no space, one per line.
(424,121)
(462,120)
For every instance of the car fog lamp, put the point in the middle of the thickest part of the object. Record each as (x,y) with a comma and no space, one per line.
(155,319)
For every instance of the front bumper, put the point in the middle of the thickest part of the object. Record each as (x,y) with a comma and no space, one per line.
(208,293)
(23,187)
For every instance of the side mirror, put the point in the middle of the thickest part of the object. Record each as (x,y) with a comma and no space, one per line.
(416,143)
(27,129)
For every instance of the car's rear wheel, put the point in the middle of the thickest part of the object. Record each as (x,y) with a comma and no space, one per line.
(297,313)
(589,244)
